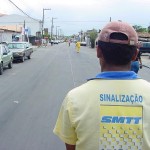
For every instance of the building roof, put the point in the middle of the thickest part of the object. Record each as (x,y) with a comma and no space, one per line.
(15,28)
(2,14)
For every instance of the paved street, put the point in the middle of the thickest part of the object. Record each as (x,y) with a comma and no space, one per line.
(31,94)
(144,72)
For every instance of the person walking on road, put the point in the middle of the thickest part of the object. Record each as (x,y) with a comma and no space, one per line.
(110,111)
(78,46)
(137,63)
(69,42)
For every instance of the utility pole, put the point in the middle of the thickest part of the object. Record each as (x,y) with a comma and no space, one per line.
(52,26)
(43,21)
(110,19)
(56,31)
(81,35)
(24,26)
(59,33)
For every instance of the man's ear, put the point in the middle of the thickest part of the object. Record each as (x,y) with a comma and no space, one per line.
(99,52)
(135,55)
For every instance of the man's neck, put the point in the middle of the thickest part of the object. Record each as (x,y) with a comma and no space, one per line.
(115,68)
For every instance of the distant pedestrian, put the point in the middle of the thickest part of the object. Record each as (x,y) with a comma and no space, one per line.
(78,47)
(52,42)
(44,42)
(137,63)
(69,42)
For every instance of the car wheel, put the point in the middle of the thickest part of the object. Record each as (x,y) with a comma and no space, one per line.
(1,69)
(22,59)
(10,65)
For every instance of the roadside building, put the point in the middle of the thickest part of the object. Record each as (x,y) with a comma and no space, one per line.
(30,27)
(9,33)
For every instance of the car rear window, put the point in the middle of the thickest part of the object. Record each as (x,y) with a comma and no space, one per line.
(16,45)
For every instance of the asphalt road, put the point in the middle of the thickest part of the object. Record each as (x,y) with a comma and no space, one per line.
(145,71)
(31,94)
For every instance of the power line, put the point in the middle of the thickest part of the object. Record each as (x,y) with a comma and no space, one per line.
(22,10)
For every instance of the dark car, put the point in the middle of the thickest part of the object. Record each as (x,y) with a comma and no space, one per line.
(20,50)
(144,47)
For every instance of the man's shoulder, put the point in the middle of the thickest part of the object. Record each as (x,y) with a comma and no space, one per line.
(81,88)
(95,83)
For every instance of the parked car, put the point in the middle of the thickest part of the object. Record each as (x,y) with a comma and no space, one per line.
(56,42)
(6,58)
(144,47)
(83,43)
(20,50)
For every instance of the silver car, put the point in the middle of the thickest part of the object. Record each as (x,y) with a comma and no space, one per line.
(6,58)
(20,50)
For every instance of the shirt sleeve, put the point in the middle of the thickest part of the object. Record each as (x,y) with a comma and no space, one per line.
(64,128)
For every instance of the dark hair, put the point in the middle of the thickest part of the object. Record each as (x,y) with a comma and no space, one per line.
(117,54)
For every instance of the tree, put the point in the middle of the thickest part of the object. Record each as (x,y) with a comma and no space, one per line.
(148,29)
(93,36)
(139,28)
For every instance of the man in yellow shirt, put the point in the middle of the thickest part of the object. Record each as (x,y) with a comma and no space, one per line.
(110,111)
(78,47)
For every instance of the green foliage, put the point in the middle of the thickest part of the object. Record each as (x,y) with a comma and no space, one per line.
(93,36)
(72,36)
(148,29)
(139,28)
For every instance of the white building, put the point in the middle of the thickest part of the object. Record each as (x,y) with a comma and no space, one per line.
(32,26)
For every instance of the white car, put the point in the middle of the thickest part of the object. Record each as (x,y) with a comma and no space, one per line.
(6,57)
(56,42)
(82,43)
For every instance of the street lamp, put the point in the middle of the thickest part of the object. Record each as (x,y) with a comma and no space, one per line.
(56,31)
(43,19)
(52,26)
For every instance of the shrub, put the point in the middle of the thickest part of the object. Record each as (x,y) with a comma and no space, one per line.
(93,36)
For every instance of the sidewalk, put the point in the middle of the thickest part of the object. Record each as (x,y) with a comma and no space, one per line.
(34,46)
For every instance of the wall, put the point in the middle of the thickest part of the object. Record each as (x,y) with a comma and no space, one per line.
(6,36)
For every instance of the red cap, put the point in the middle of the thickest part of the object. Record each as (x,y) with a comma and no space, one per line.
(119,27)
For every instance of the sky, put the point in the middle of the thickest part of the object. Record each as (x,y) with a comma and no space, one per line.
(72,16)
